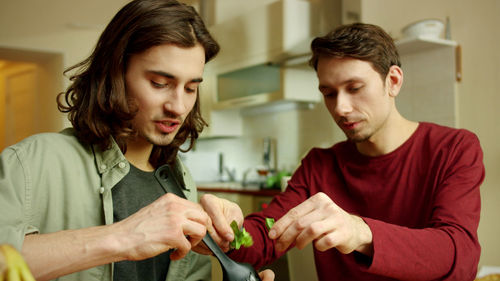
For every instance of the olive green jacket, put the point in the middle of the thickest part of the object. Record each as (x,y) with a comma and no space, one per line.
(51,182)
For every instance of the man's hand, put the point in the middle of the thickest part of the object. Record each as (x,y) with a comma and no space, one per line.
(266,275)
(170,222)
(222,212)
(320,220)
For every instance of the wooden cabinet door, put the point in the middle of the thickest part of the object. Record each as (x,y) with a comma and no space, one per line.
(19,104)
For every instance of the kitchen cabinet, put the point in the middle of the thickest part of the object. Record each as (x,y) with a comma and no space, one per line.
(273,32)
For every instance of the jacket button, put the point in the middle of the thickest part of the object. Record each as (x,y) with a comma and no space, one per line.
(121,165)
(103,166)
(101,190)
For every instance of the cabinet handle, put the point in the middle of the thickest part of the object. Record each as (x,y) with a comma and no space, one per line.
(458,63)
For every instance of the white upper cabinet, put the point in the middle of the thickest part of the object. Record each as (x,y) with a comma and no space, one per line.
(272,32)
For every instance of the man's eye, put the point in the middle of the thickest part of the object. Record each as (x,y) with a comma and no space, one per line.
(355,89)
(191,90)
(158,85)
(330,94)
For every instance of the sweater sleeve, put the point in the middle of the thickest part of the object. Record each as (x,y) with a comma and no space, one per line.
(448,248)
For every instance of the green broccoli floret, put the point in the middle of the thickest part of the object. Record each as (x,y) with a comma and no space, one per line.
(269,223)
(241,237)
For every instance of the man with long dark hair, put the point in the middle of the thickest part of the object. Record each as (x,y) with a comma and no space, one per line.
(398,200)
(86,203)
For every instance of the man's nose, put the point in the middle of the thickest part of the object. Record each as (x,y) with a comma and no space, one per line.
(343,104)
(175,102)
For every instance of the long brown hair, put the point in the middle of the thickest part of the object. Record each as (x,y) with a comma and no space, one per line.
(96,101)
(361,41)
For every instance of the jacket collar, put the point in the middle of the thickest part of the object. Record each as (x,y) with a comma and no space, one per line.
(109,158)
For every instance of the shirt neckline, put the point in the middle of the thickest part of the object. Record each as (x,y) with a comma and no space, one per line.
(361,157)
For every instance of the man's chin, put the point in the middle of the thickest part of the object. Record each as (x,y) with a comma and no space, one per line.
(164,140)
(356,137)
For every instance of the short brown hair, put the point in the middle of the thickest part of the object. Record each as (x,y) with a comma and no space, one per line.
(361,41)
(96,101)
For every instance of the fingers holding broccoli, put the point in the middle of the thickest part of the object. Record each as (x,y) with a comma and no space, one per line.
(242,237)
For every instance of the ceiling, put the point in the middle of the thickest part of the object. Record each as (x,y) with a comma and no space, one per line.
(34,17)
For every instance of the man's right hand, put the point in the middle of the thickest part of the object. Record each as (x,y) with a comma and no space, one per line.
(170,222)
(320,221)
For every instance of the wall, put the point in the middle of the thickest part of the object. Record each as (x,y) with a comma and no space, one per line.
(53,52)
(225,9)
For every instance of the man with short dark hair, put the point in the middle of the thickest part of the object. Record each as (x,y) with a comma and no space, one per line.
(398,200)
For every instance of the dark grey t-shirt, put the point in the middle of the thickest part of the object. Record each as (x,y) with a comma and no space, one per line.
(136,190)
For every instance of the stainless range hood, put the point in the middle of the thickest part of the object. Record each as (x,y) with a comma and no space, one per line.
(266,84)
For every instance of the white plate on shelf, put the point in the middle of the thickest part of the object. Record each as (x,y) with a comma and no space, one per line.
(429,28)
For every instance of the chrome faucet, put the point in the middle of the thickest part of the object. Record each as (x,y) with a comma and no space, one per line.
(231,174)
(266,155)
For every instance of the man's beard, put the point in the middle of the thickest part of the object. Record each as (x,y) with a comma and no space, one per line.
(159,139)
(364,133)
(358,138)
(353,134)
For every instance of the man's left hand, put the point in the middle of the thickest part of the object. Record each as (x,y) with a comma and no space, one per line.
(320,220)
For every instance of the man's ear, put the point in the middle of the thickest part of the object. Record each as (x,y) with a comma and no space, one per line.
(394,80)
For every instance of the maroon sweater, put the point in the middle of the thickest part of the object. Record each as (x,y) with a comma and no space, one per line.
(421,202)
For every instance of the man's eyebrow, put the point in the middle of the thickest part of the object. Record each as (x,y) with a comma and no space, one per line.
(170,76)
(347,81)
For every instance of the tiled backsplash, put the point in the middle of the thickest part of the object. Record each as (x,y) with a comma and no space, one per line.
(295,132)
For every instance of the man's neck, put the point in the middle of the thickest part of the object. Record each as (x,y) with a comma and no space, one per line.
(395,132)
(138,154)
